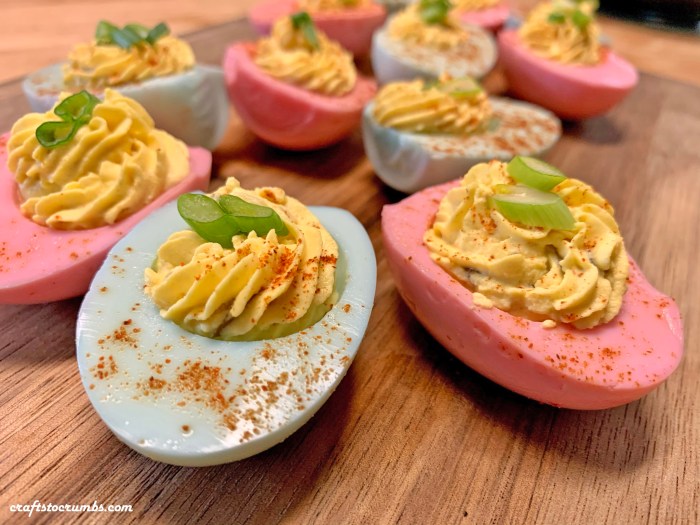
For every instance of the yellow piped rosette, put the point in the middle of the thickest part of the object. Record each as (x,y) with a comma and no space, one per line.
(474,5)
(96,66)
(409,26)
(262,286)
(330,5)
(288,56)
(114,166)
(562,40)
(576,277)
(419,108)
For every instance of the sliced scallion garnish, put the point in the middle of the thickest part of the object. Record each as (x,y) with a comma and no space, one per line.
(556,18)
(434,11)
(74,111)
(130,35)
(461,87)
(303,22)
(220,221)
(580,19)
(534,173)
(532,207)
(252,217)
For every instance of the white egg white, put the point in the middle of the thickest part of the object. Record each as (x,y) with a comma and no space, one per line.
(185,399)
(394,60)
(192,106)
(412,161)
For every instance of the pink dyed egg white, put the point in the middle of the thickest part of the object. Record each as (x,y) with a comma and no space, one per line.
(412,161)
(571,91)
(394,60)
(39,264)
(288,116)
(603,367)
(351,28)
(491,18)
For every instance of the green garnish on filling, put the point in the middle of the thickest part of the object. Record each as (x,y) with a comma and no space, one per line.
(302,22)
(218,221)
(74,111)
(434,11)
(577,16)
(107,34)
(461,88)
(530,202)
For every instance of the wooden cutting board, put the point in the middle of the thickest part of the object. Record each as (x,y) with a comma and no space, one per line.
(411,435)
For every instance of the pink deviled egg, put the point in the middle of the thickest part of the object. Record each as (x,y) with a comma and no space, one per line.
(606,348)
(348,22)
(555,59)
(73,182)
(426,40)
(420,133)
(296,89)
(489,14)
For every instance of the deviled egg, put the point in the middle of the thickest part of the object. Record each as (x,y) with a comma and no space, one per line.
(556,59)
(296,89)
(417,134)
(75,180)
(348,22)
(186,99)
(522,274)
(221,342)
(427,40)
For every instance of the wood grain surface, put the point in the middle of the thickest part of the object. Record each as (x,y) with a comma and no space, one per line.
(411,435)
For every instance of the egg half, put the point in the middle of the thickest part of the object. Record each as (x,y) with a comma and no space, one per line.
(607,366)
(191,106)
(394,60)
(351,28)
(39,264)
(184,399)
(571,91)
(289,116)
(412,161)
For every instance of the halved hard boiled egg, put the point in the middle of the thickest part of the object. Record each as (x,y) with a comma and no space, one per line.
(401,51)
(286,115)
(351,24)
(185,399)
(191,106)
(409,161)
(39,264)
(605,366)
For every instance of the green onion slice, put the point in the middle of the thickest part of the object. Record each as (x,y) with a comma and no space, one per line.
(130,35)
(556,18)
(252,217)
(302,21)
(205,216)
(532,207)
(220,221)
(580,19)
(461,87)
(434,11)
(74,111)
(534,173)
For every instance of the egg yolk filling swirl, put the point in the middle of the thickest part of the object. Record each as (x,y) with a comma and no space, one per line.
(330,5)
(409,26)
(96,66)
(262,287)
(577,277)
(563,31)
(420,107)
(288,55)
(474,5)
(115,165)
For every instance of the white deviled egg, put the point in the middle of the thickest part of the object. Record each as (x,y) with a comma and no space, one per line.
(426,40)
(418,134)
(157,70)
(185,398)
